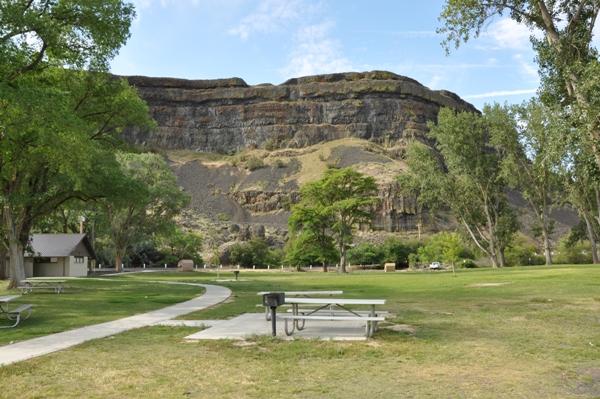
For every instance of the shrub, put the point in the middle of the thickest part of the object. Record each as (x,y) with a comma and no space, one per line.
(223,217)
(255,252)
(469,264)
(254,163)
(366,254)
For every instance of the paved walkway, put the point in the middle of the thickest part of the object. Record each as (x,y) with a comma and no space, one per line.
(51,343)
(237,328)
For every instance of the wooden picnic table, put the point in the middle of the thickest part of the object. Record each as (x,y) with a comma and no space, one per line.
(30,284)
(324,311)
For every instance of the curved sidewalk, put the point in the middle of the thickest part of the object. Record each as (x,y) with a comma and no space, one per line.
(51,343)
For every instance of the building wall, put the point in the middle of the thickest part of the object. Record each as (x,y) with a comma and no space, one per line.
(77,269)
(63,267)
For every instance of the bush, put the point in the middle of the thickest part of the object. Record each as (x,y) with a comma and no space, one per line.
(366,254)
(398,251)
(254,163)
(170,260)
(469,264)
(255,252)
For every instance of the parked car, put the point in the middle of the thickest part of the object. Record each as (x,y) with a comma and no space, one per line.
(435,266)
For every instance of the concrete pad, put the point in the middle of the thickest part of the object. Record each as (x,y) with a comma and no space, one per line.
(249,324)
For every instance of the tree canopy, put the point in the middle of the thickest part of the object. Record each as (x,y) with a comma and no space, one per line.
(60,113)
(467,180)
(150,200)
(331,209)
(568,61)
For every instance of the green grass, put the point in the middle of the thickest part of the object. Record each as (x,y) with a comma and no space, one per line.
(513,333)
(90,301)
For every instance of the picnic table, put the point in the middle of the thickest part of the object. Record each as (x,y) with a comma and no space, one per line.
(333,309)
(13,314)
(30,284)
(306,294)
(6,301)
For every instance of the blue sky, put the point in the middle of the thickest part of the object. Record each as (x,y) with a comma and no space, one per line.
(269,41)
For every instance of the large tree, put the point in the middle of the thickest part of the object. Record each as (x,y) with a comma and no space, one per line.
(527,137)
(151,201)
(334,206)
(466,180)
(568,62)
(59,145)
(60,113)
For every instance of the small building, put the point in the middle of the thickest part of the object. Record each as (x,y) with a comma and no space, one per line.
(58,255)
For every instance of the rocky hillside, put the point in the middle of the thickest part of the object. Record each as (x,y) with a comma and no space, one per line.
(242,151)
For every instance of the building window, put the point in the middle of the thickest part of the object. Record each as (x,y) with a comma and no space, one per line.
(79,259)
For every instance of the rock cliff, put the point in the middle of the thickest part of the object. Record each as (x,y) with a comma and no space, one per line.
(228,115)
(291,132)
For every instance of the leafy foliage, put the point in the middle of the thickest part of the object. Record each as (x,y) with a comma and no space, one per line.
(147,205)
(255,252)
(330,209)
(468,181)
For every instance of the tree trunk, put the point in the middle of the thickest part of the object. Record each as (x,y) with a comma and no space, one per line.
(119,254)
(342,257)
(547,245)
(3,273)
(15,248)
(491,255)
(591,237)
(324,266)
(502,259)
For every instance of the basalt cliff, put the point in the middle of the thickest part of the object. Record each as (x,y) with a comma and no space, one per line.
(228,115)
(243,151)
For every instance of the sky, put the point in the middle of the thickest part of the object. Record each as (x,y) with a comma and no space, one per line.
(270,41)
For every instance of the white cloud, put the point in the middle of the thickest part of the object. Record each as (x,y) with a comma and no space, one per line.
(502,93)
(315,53)
(508,34)
(270,16)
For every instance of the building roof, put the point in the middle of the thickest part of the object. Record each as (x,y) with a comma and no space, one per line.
(59,245)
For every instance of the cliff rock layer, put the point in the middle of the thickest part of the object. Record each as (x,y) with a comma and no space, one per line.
(228,115)
(307,125)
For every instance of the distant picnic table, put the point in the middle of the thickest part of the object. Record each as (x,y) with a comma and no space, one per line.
(30,284)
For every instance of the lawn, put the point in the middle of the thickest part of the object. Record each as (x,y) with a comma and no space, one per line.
(527,332)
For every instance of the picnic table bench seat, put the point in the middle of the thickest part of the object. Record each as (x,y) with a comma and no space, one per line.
(16,313)
(370,321)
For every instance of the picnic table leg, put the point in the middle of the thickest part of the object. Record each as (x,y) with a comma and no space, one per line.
(287,331)
(375,325)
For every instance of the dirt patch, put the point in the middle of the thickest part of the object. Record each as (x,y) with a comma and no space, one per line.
(589,382)
(402,328)
(487,284)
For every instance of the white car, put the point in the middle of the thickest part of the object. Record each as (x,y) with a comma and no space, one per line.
(435,266)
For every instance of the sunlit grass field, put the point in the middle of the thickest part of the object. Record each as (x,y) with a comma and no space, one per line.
(530,332)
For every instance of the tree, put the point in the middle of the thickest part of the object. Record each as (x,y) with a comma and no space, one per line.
(310,236)
(255,252)
(451,248)
(341,199)
(366,253)
(568,61)
(581,188)
(59,147)
(57,122)
(180,244)
(150,201)
(527,137)
(467,182)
